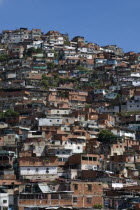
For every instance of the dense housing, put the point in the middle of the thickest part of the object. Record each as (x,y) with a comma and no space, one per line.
(69,123)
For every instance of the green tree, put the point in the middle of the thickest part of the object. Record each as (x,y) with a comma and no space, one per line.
(56,55)
(67,43)
(45,83)
(98,206)
(30,51)
(33,50)
(11,113)
(44,77)
(81,68)
(39,50)
(106,136)
(8,113)
(3,58)
(50,65)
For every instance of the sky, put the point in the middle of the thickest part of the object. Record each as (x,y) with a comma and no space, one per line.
(100,21)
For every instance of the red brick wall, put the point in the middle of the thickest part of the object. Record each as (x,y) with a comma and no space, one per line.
(83,193)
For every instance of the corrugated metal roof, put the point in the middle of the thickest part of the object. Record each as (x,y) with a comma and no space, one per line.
(44,188)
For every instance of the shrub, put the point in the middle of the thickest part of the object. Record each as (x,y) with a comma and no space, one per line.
(98,206)
(106,136)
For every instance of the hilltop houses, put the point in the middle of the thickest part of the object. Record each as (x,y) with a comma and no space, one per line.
(69,123)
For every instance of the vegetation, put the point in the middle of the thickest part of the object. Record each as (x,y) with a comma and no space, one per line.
(50,65)
(62,94)
(5,208)
(8,113)
(56,55)
(4,58)
(106,136)
(81,68)
(67,43)
(33,50)
(127,114)
(87,106)
(47,82)
(98,206)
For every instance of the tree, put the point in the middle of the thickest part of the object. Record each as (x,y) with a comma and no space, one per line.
(98,206)
(50,65)
(30,51)
(8,113)
(33,50)
(81,68)
(44,77)
(3,58)
(56,55)
(106,136)
(11,113)
(67,43)
(45,82)
(39,50)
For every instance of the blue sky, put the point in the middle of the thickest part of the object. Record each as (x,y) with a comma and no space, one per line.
(100,21)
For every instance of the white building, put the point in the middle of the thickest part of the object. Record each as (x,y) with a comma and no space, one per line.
(99,91)
(132,105)
(136,83)
(60,111)
(50,121)
(37,170)
(4,200)
(125,133)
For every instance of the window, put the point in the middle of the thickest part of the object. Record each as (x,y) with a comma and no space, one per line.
(90,158)
(89,200)
(36,169)
(74,199)
(47,170)
(84,158)
(28,169)
(4,201)
(90,187)
(54,196)
(65,159)
(60,159)
(94,158)
(75,186)
(57,120)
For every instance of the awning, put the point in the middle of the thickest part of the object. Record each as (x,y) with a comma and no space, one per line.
(44,187)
